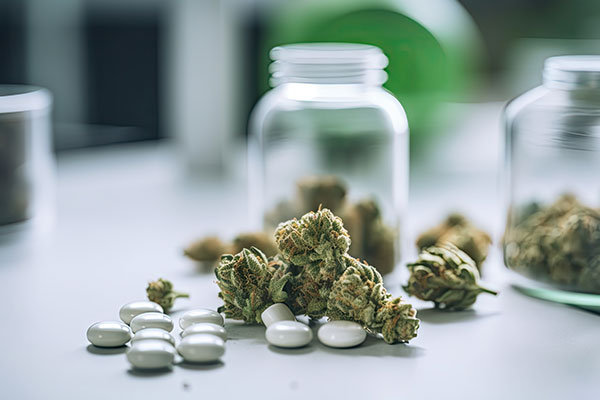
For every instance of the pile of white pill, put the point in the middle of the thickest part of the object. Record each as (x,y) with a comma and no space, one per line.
(203,334)
(152,344)
(284,331)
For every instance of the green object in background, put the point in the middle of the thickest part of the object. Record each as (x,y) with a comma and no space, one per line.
(432,46)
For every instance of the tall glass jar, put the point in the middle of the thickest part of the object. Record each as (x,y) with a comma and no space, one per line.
(553,179)
(329,135)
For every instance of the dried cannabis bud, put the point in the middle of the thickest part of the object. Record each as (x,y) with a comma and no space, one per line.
(208,249)
(321,191)
(359,295)
(456,229)
(162,293)
(314,276)
(249,284)
(247,240)
(445,275)
(559,244)
(317,236)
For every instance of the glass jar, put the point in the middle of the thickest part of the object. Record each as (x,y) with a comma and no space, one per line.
(553,188)
(328,135)
(26,158)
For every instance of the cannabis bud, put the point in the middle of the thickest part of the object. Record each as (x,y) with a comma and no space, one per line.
(162,293)
(208,249)
(445,275)
(558,243)
(317,236)
(358,295)
(249,284)
(456,229)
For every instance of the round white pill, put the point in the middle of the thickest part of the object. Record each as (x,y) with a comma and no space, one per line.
(200,315)
(151,320)
(153,334)
(201,348)
(341,334)
(130,310)
(276,312)
(150,354)
(289,334)
(205,327)
(109,334)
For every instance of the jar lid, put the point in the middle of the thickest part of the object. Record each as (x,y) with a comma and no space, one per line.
(20,98)
(572,72)
(335,63)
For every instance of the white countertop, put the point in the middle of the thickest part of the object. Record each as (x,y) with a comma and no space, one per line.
(124,214)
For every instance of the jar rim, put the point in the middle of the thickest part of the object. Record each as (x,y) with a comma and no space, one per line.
(21,98)
(572,72)
(327,63)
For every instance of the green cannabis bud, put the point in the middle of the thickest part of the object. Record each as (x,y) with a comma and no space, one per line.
(208,249)
(445,275)
(456,229)
(358,295)
(558,243)
(162,293)
(317,236)
(313,247)
(249,284)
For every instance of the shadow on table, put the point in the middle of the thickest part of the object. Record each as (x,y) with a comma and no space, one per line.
(141,373)
(106,351)
(291,352)
(237,330)
(376,347)
(200,366)
(437,316)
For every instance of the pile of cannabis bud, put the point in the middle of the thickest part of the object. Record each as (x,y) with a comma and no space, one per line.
(314,275)
(558,244)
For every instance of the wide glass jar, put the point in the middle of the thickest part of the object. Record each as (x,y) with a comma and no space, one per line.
(329,135)
(553,182)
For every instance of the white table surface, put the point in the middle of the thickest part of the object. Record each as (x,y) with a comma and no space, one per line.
(124,214)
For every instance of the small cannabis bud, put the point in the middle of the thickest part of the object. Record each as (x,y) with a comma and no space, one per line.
(259,240)
(559,243)
(317,236)
(249,284)
(445,275)
(208,249)
(162,293)
(456,229)
(321,191)
(358,295)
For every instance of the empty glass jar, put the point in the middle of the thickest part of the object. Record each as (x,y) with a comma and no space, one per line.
(552,167)
(329,135)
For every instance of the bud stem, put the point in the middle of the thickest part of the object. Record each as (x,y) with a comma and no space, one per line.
(488,291)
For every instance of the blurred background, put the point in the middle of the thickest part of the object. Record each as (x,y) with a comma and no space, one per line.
(150,69)
(188,72)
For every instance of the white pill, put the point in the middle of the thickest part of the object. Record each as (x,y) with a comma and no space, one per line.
(153,334)
(130,310)
(201,348)
(276,312)
(289,334)
(205,327)
(150,354)
(151,320)
(341,334)
(200,315)
(109,334)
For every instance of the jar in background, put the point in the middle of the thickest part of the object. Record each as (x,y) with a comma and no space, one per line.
(329,135)
(553,182)
(26,160)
